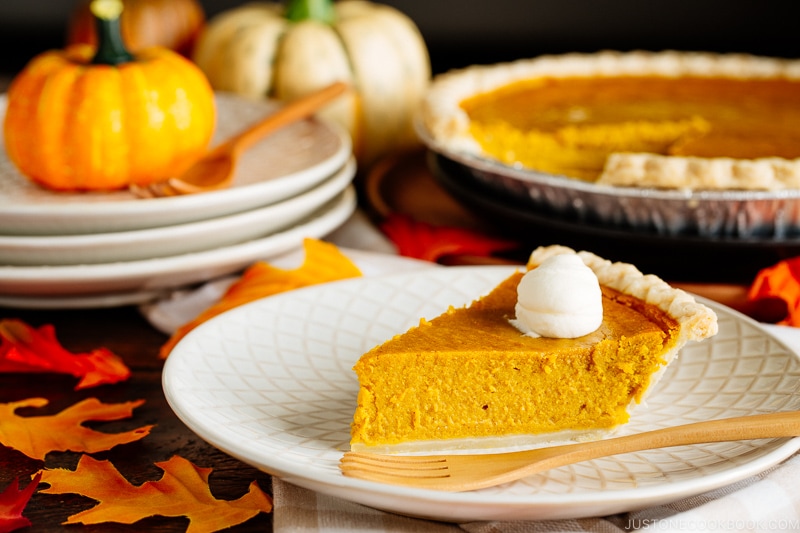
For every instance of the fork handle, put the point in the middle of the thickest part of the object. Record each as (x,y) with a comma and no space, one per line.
(772,425)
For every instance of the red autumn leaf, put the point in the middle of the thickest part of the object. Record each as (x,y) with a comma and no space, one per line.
(776,291)
(13,502)
(27,349)
(431,243)
(323,262)
(35,436)
(182,491)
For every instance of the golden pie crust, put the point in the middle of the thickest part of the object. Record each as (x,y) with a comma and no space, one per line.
(469,379)
(752,166)
(696,321)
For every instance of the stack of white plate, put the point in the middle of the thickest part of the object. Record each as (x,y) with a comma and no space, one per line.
(68,250)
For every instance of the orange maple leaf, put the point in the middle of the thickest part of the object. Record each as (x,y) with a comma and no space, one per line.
(13,502)
(323,262)
(27,349)
(35,436)
(182,491)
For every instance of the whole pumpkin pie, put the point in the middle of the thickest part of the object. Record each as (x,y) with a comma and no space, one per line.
(470,378)
(661,119)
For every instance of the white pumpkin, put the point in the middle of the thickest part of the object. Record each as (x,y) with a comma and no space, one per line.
(254,50)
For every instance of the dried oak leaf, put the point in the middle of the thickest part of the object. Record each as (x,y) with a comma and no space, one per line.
(323,262)
(35,436)
(27,349)
(13,502)
(182,491)
(431,243)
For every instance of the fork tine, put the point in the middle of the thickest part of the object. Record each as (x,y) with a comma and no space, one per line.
(396,459)
(369,464)
(393,469)
(154,190)
(141,191)
(162,188)
(367,472)
(185,187)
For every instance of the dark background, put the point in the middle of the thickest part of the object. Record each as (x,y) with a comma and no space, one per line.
(462,32)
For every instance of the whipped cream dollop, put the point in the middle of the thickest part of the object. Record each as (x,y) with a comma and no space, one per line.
(560,298)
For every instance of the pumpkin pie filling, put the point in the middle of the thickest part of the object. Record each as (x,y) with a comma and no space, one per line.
(571,125)
(469,378)
(587,116)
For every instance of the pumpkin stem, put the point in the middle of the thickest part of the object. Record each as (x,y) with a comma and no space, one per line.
(319,10)
(111,49)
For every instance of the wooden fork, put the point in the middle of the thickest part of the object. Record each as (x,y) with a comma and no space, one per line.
(470,472)
(216,169)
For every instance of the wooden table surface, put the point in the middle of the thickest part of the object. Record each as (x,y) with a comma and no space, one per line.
(125,332)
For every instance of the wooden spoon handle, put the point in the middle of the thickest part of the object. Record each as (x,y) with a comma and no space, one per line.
(293,111)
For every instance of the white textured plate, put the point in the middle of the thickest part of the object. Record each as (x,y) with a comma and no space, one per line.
(69,281)
(283,164)
(166,241)
(271,384)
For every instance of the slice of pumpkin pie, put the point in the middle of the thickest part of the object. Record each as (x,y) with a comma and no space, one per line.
(558,351)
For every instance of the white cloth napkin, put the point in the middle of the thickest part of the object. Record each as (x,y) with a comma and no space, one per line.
(767,502)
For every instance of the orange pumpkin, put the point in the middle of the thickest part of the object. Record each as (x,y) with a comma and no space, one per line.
(80,120)
(173,24)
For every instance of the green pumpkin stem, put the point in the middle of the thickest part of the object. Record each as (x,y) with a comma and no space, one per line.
(319,10)
(111,49)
